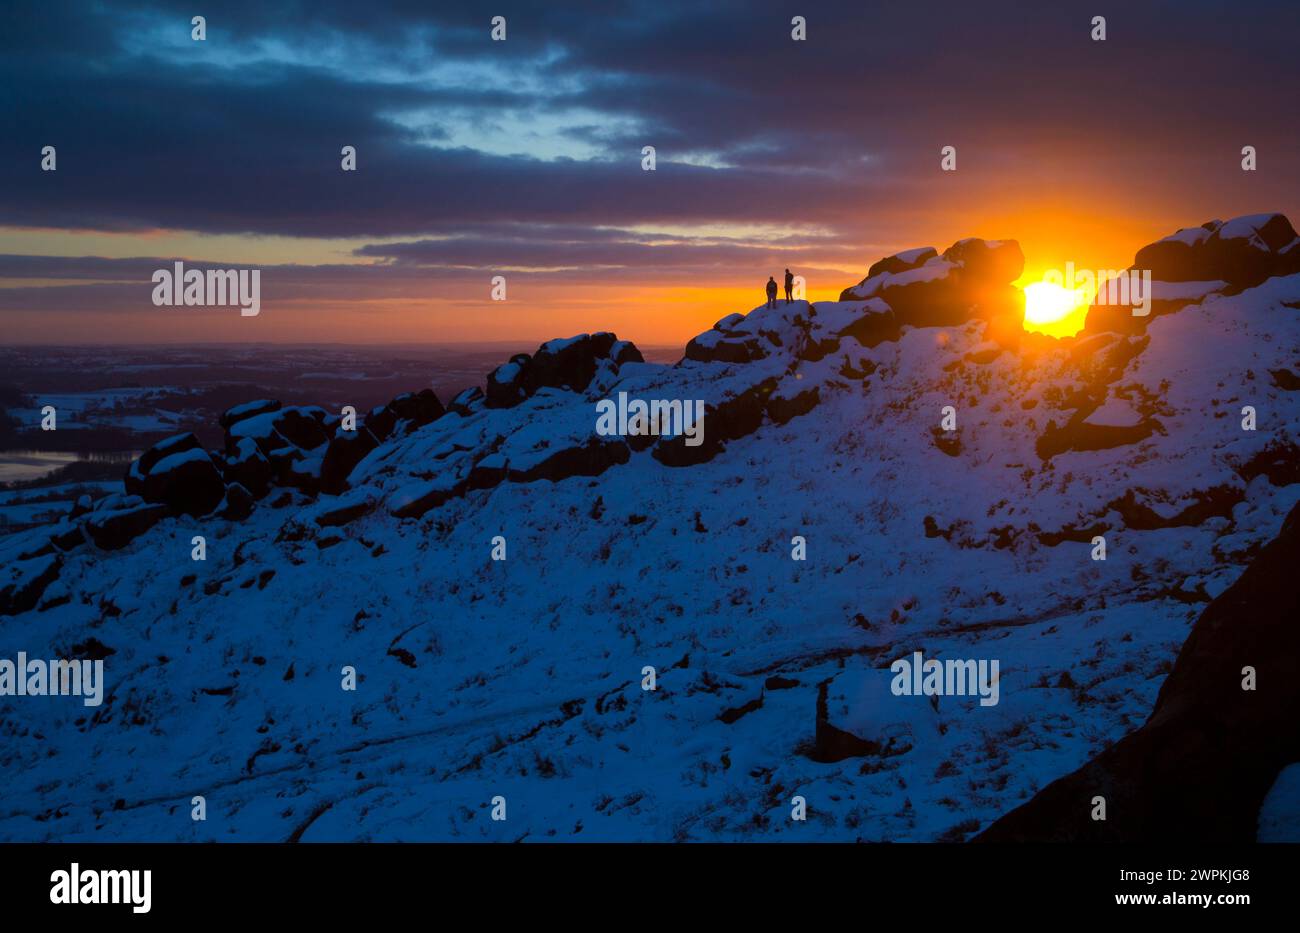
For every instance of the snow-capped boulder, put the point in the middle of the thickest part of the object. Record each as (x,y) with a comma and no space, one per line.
(188,482)
(346,449)
(142,465)
(300,426)
(1243,252)
(902,262)
(238,504)
(1189,266)
(507,385)
(249,467)
(113,529)
(569,363)
(465,402)
(415,409)
(972,278)
(238,413)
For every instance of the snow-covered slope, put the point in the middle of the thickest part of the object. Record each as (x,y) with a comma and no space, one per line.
(522,678)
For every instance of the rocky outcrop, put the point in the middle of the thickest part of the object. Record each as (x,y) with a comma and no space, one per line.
(1201,765)
(113,529)
(1242,252)
(178,473)
(1188,266)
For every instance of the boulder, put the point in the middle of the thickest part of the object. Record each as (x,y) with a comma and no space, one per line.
(902,262)
(142,465)
(466,402)
(1243,252)
(187,482)
(507,385)
(592,458)
(416,409)
(116,528)
(738,415)
(570,363)
(247,410)
(346,449)
(971,279)
(625,351)
(238,504)
(248,467)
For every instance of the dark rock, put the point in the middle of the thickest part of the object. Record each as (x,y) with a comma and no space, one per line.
(507,385)
(239,503)
(249,467)
(733,418)
(570,363)
(625,351)
(417,408)
(1207,738)
(22,582)
(186,482)
(380,422)
(1078,435)
(1242,252)
(714,347)
(345,511)
(591,459)
(463,404)
(992,262)
(781,408)
(116,529)
(489,472)
(346,449)
(247,410)
(140,468)
(415,501)
(902,262)
(1278,460)
(871,327)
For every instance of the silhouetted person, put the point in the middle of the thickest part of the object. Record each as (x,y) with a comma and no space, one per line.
(771,292)
(789,286)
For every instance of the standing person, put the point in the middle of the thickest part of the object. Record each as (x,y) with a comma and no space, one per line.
(771,291)
(789,286)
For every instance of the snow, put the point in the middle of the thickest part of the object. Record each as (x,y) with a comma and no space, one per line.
(1189,236)
(1246,228)
(522,677)
(169,463)
(506,373)
(911,256)
(1116,412)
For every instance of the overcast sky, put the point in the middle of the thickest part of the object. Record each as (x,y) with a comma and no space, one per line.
(523,157)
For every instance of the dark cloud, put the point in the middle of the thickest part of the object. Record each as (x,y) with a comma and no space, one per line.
(841,131)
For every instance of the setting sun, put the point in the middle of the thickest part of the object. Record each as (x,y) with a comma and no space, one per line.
(1054,310)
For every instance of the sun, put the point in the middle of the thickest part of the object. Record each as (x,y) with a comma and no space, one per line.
(1054,310)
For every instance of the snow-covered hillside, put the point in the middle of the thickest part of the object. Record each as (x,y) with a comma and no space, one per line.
(522,678)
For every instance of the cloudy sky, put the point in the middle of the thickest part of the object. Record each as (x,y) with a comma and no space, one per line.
(523,158)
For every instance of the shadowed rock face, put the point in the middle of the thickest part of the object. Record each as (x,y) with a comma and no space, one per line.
(1200,767)
(1195,262)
